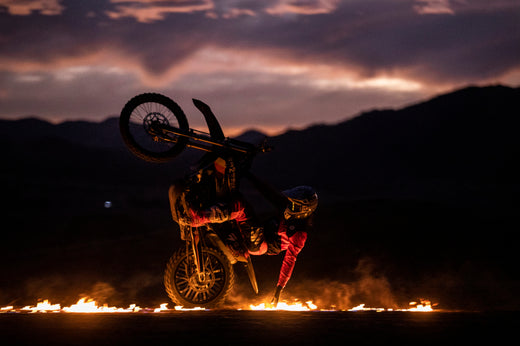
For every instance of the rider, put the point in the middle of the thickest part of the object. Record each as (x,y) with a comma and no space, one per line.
(222,203)
(291,234)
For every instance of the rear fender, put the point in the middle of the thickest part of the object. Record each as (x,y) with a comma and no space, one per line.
(211,120)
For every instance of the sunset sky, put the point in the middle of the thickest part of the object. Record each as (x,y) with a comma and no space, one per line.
(269,64)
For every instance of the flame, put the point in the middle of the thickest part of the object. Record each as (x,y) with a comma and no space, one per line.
(87,305)
(361,307)
(181,308)
(424,306)
(84,305)
(44,306)
(162,307)
(296,306)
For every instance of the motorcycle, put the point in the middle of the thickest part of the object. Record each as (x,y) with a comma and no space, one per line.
(155,129)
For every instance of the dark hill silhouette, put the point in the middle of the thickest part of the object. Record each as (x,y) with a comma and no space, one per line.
(467,136)
(434,181)
(99,135)
(427,193)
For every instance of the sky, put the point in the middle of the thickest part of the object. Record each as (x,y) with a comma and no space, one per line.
(269,65)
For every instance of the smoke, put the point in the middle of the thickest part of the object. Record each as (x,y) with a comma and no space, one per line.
(368,287)
(145,287)
(141,288)
(470,285)
(101,292)
(48,287)
(66,290)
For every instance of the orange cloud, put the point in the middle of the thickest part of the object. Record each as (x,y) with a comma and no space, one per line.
(24,8)
(237,12)
(307,7)
(433,7)
(148,11)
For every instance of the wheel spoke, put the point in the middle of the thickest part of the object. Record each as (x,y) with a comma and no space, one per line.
(142,117)
(188,284)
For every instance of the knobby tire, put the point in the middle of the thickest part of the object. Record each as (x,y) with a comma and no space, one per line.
(177,290)
(146,103)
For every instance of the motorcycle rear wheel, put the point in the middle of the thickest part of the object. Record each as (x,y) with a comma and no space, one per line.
(184,286)
(138,117)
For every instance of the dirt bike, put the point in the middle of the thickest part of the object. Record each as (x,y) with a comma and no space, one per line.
(155,129)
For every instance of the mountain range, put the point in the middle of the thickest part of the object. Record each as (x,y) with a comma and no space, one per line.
(426,194)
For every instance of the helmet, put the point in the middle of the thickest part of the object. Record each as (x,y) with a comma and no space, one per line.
(303,202)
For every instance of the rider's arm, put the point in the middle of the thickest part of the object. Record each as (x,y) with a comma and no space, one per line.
(219,213)
(294,246)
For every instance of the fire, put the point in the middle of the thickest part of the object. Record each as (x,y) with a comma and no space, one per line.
(44,306)
(361,307)
(424,306)
(162,307)
(181,308)
(87,305)
(296,306)
(83,305)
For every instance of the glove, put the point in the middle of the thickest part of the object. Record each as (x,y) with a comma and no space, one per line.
(276,296)
(215,214)
(218,214)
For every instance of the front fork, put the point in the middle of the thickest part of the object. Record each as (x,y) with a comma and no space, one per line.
(197,253)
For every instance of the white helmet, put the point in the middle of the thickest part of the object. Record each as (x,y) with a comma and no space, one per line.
(304,202)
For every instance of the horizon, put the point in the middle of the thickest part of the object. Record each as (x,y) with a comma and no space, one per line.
(233,132)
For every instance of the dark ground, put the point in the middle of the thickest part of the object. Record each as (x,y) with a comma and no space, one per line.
(261,328)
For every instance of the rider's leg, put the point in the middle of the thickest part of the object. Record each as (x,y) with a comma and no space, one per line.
(272,237)
(176,207)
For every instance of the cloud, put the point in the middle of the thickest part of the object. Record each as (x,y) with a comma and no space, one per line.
(387,42)
(304,7)
(148,11)
(26,7)
(237,12)
(433,7)
(280,56)
(241,98)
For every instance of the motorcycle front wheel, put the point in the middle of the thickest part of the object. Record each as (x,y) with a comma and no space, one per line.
(186,288)
(138,119)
